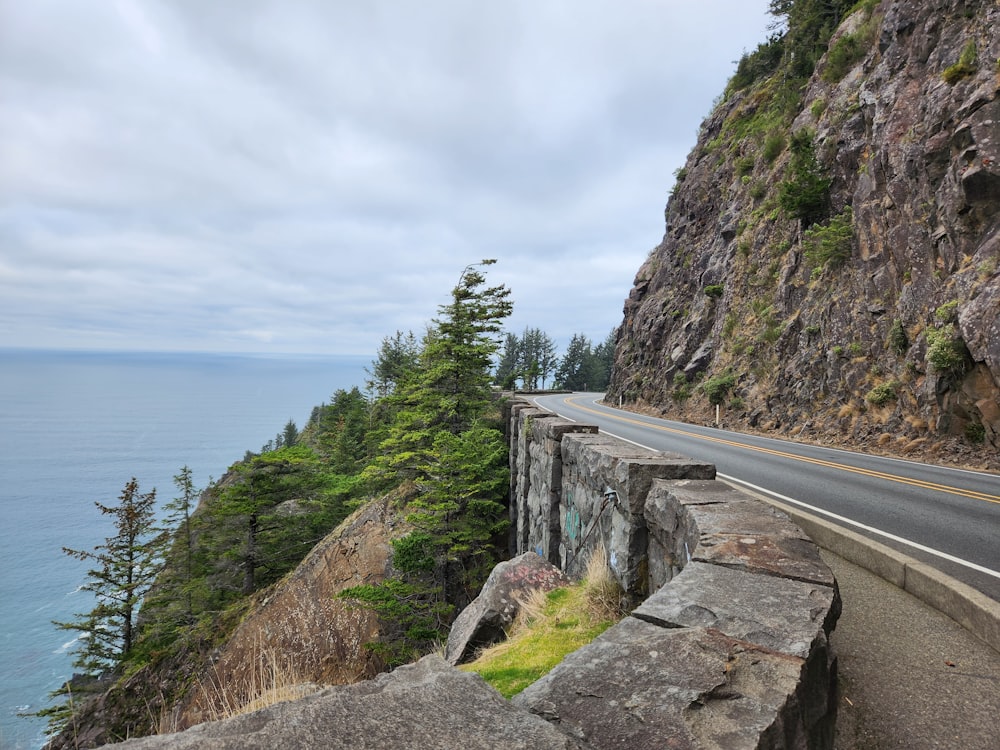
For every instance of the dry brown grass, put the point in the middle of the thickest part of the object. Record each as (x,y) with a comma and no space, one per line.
(912,445)
(271,680)
(602,590)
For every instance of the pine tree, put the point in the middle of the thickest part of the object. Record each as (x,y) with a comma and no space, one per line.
(601,362)
(441,439)
(250,502)
(125,566)
(458,351)
(573,372)
(538,357)
(508,368)
(450,390)
(178,581)
(396,360)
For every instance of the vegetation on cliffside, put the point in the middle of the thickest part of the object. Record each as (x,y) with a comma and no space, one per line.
(431,424)
(831,249)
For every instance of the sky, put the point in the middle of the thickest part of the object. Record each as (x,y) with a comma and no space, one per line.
(311,176)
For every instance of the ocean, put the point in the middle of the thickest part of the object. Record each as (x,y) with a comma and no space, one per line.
(74,428)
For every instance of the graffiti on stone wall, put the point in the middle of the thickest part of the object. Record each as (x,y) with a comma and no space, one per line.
(573,524)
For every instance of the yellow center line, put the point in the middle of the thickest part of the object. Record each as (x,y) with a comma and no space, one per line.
(973,494)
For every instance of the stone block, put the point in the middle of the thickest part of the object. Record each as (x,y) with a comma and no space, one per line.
(713,522)
(643,686)
(776,613)
(591,465)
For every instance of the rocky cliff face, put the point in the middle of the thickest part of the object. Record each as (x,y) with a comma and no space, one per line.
(300,632)
(877,322)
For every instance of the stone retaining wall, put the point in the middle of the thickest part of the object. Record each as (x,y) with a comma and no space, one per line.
(728,647)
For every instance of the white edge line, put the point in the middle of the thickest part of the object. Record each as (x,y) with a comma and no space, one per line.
(870,529)
(840,519)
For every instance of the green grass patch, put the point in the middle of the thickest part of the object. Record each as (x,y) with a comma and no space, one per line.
(966,65)
(550,626)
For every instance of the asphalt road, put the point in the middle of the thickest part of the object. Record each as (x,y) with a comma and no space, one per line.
(948,518)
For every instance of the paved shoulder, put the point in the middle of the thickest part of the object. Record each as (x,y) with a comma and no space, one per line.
(910,677)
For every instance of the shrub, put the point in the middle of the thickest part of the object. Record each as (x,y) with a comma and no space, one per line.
(679,175)
(758,64)
(744,165)
(975,433)
(882,394)
(844,53)
(966,65)
(829,246)
(897,337)
(682,388)
(805,194)
(774,144)
(850,49)
(714,290)
(945,350)
(716,388)
(947,313)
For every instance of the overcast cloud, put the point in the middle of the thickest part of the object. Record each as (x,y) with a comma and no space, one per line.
(311,176)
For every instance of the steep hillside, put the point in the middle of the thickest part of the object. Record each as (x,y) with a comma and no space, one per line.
(831,257)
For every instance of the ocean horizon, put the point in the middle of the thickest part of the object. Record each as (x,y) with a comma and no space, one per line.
(75,426)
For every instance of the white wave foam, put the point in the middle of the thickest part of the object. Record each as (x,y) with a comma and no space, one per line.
(66,646)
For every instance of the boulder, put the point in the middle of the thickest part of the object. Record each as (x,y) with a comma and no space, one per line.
(486,619)
(422,706)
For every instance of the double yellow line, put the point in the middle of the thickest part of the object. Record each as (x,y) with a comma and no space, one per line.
(973,494)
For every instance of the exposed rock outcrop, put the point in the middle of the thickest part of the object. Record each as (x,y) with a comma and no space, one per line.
(849,352)
(428,704)
(300,630)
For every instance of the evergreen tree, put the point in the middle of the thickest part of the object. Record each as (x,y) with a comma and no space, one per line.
(459,514)
(289,435)
(805,194)
(124,569)
(602,360)
(179,512)
(441,439)
(573,372)
(342,428)
(508,368)
(397,358)
(267,543)
(538,357)
(451,388)
(459,350)
(808,27)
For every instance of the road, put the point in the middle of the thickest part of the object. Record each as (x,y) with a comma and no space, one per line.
(948,518)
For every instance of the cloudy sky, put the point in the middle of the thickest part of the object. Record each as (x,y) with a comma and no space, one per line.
(313,175)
